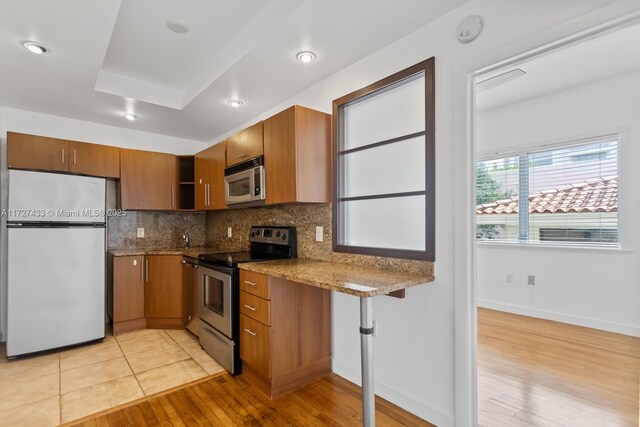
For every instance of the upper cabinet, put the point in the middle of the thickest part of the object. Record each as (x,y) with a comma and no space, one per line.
(245,145)
(209,171)
(52,154)
(297,156)
(148,180)
(93,159)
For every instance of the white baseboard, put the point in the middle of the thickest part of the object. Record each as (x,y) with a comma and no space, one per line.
(428,411)
(572,319)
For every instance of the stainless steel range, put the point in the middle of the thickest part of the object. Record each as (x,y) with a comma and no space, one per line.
(220,291)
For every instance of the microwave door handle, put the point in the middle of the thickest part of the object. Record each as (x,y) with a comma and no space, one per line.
(252,183)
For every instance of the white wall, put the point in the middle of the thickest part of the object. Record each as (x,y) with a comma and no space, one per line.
(61,127)
(79,130)
(595,288)
(414,352)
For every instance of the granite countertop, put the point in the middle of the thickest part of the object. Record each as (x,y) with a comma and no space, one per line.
(191,252)
(346,278)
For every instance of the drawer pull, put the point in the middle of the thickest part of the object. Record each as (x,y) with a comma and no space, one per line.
(250,307)
(250,332)
(241,156)
(249,283)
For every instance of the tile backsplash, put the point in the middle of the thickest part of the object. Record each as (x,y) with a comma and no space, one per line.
(164,230)
(305,217)
(161,229)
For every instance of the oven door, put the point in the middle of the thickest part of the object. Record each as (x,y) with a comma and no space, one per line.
(245,186)
(216,306)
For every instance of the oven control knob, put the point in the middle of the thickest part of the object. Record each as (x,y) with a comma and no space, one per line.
(284,236)
(277,234)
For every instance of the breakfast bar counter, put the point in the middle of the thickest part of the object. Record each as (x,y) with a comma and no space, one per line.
(359,281)
(345,278)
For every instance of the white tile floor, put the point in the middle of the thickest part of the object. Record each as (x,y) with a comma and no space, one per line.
(59,387)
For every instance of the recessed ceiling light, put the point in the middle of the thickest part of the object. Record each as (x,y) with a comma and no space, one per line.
(177,27)
(306,56)
(36,48)
(130,116)
(235,103)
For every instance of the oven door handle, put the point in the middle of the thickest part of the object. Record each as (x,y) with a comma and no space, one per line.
(205,289)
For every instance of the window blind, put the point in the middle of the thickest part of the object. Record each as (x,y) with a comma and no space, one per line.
(572,196)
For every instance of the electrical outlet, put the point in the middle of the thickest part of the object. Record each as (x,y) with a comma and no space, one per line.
(140,232)
(229,232)
(376,326)
(509,278)
(531,280)
(319,234)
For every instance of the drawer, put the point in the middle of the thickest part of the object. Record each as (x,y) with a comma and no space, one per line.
(255,307)
(254,345)
(255,283)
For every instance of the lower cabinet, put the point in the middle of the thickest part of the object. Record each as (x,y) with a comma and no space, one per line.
(128,293)
(147,292)
(285,333)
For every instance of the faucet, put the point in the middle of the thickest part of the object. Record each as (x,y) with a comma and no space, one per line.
(185,240)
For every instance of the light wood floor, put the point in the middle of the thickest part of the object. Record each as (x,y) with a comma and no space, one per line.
(535,372)
(232,401)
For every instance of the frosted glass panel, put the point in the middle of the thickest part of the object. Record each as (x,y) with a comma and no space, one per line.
(398,111)
(394,223)
(392,168)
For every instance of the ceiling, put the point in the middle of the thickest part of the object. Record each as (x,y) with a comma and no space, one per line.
(597,58)
(109,57)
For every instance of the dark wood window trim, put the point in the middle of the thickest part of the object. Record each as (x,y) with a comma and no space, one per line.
(428,68)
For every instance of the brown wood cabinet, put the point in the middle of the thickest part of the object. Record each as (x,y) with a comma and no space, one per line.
(163,298)
(245,145)
(128,293)
(285,333)
(209,170)
(94,159)
(147,292)
(60,155)
(148,180)
(297,156)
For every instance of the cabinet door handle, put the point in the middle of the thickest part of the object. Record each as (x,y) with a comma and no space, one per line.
(173,199)
(240,156)
(250,307)
(249,331)
(249,283)
(146,270)
(206,203)
(209,194)
(63,156)
(74,156)
(141,270)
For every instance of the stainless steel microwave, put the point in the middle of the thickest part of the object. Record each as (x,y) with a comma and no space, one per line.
(244,182)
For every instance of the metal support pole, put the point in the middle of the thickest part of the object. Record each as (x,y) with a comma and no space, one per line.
(366,350)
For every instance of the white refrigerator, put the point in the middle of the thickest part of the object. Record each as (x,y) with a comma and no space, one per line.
(56,234)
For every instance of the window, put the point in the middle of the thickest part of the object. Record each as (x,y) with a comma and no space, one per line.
(571,194)
(384,167)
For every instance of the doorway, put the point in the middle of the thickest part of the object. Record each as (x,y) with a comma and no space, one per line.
(556,245)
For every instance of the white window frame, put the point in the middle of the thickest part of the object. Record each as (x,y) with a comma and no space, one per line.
(536,148)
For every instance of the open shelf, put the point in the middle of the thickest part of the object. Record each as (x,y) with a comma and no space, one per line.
(187,191)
